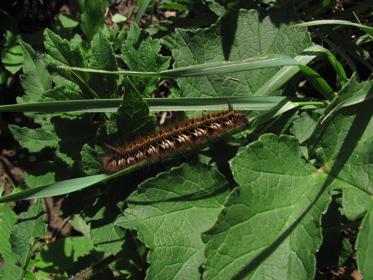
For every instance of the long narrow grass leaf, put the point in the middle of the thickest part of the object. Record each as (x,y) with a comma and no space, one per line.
(141,11)
(210,68)
(58,188)
(155,104)
(68,186)
(365,28)
(287,72)
(318,82)
(338,68)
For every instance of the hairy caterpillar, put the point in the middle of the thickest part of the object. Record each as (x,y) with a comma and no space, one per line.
(174,140)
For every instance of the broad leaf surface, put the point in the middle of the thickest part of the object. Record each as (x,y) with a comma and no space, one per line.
(270,224)
(251,36)
(346,145)
(170,212)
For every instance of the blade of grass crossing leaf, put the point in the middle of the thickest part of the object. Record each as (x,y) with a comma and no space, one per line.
(68,186)
(287,72)
(58,188)
(155,104)
(210,68)
(142,10)
(364,95)
(223,67)
(341,52)
(365,28)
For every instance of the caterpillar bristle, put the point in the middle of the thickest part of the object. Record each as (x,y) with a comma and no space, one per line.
(173,140)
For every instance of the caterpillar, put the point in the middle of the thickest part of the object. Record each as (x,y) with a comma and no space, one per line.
(174,140)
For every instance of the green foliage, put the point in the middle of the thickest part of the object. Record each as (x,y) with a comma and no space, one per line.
(19,235)
(249,206)
(11,53)
(185,202)
(234,39)
(140,53)
(276,209)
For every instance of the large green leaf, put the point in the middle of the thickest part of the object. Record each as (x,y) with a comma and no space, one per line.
(250,36)
(345,147)
(270,225)
(170,212)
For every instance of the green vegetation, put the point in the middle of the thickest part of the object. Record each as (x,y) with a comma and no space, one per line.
(291,197)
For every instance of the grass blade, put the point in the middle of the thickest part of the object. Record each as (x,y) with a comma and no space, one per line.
(210,68)
(68,186)
(142,10)
(58,188)
(365,28)
(287,72)
(155,104)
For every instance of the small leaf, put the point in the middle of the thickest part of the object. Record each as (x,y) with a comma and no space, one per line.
(80,225)
(303,127)
(93,17)
(9,268)
(91,162)
(29,228)
(35,139)
(132,118)
(11,53)
(65,255)
(118,18)
(35,79)
(170,212)
(141,53)
(60,52)
(67,22)
(103,58)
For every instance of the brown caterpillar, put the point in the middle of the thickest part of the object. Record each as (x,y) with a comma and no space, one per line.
(174,140)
